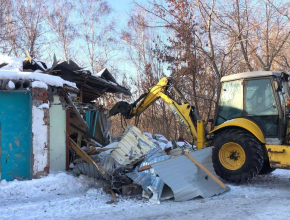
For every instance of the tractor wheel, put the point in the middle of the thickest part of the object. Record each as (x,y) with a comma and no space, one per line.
(266,169)
(237,155)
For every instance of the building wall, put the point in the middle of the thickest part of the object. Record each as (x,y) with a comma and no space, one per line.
(15,135)
(40,132)
(57,115)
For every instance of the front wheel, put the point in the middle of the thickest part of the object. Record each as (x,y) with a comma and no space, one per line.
(237,155)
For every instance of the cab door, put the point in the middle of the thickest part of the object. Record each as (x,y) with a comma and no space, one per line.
(260,105)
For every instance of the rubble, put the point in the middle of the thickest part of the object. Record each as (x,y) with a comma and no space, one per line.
(187,180)
(132,146)
(138,162)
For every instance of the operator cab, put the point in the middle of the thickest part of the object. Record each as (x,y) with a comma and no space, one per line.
(260,96)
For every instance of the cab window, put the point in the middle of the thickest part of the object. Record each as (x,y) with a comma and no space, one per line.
(231,101)
(260,105)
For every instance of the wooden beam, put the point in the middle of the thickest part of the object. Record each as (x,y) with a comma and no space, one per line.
(114,197)
(205,170)
(86,134)
(104,173)
(75,110)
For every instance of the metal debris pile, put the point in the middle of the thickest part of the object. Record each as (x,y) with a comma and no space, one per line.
(151,165)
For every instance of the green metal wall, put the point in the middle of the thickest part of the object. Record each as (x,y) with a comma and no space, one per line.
(15,135)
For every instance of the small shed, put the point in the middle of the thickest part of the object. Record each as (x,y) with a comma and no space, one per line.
(33,121)
(43,108)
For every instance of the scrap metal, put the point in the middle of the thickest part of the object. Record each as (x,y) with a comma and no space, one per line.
(150,182)
(187,180)
(132,146)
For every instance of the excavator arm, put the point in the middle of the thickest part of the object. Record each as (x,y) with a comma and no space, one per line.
(182,110)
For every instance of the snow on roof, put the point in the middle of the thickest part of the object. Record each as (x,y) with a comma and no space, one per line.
(105,74)
(35,76)
(13,63)
(99,74)
(13,71)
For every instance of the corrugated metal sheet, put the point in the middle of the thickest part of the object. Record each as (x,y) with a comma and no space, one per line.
(132,146)
(185,179)
(148,178)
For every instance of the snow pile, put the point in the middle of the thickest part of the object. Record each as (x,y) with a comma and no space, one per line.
(44,105)
(59,183)
(55,196)
(39,84)
(11,85)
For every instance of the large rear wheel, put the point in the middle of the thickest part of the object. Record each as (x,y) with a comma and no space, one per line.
(237,155)
(266,169)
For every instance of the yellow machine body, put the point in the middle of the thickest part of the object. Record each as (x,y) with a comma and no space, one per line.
(245,124)
(279,156)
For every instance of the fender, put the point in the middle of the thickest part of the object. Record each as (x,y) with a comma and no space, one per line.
(244,123)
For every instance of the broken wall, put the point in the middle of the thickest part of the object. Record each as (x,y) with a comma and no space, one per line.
(40,132)
(99,129)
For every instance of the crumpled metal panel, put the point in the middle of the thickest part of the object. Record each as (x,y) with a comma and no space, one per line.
(178,151)
(185,179)
(132,146)
(148,179)
(106,162)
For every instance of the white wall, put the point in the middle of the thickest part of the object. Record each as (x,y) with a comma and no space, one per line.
(57,151)
(39,141)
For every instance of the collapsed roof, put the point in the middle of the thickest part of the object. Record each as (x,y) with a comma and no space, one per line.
(91,86)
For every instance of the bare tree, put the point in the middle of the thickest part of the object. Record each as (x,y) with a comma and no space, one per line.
(262,31)
(31,22)
(60,19)
(96,32)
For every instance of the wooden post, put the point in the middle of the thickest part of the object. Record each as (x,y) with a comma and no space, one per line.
(67,138)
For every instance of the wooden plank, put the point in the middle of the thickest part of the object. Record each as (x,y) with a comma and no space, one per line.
(75,110)
(86,134)
(79,139)
(67,138)
(92,151)
(114,197)
(205,170)
(87,158)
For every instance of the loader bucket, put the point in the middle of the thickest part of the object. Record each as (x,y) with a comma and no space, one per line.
(121,107)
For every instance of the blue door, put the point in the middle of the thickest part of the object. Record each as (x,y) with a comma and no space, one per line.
(15,135)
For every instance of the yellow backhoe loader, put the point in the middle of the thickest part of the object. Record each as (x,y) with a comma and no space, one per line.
(251,129)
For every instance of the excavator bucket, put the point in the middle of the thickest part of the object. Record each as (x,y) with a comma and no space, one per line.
(121,107)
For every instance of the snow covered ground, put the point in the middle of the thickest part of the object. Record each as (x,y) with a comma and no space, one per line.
(63,196)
